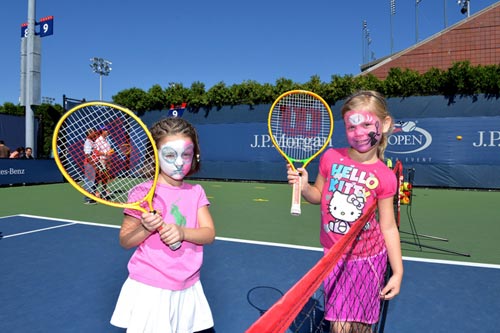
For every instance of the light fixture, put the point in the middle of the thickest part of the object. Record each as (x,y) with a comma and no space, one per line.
(103,68)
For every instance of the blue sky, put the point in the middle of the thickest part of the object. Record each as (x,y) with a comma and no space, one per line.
(157,41)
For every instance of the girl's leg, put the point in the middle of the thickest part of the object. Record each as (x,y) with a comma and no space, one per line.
(349,327)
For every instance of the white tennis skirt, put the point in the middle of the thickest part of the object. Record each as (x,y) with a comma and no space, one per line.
(144,309)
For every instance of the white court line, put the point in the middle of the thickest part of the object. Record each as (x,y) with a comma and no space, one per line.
(70,221)
(300,247)
(432,261)
(39,230)
(450,262)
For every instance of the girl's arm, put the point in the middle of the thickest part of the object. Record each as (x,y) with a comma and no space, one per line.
(311,193)
(134,231)
(204,234)
(391,236)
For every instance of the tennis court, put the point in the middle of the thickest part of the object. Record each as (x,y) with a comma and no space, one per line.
(61,275)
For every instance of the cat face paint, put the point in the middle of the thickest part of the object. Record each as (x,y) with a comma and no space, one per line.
(363,130)
(176,158)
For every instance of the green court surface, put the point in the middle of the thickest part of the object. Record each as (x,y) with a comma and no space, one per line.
(468,219)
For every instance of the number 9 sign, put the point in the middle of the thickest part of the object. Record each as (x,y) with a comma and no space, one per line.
(46,27)
(177,111)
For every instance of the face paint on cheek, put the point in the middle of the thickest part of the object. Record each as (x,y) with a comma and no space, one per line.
(362,130)
(374,138)
(176,158)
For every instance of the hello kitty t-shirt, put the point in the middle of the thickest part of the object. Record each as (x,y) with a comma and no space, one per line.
(350,188)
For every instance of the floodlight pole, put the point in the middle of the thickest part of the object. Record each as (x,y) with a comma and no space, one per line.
(444,15)
(416,20)
(28,93)
(393,12)
(100,87)
(363,24)
(102,67)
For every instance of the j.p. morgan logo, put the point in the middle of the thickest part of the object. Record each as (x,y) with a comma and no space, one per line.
(408,138)
(290,142)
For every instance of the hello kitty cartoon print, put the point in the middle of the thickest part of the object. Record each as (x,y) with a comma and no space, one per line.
(350,188)
(345,209)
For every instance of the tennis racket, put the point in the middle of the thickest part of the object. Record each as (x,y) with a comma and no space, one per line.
(300,125)
(263,297)
(123,157)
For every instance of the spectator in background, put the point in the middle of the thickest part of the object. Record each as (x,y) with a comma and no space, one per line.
(28,154)
(4,150)
(90,165)
(102,153)
(18,153)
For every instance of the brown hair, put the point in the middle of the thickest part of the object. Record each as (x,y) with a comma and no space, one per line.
(372,101)
(173,126)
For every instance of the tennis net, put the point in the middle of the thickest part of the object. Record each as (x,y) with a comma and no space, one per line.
(337,294)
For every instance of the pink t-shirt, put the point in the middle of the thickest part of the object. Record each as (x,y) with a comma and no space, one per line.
(153,262)
(350,188)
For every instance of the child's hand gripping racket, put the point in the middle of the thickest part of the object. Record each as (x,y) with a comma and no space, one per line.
(300,124)
(136,167)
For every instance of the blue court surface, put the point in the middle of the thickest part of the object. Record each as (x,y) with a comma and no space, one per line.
(65,276)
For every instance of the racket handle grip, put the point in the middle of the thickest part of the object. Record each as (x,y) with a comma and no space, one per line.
(296,193)
(175,246)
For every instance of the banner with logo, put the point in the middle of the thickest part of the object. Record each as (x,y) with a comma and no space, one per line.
(447,140)
(449,152)
(450,142)
(21,171)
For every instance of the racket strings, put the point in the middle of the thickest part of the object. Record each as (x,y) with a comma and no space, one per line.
(117,162)
(301,125)
(263,297)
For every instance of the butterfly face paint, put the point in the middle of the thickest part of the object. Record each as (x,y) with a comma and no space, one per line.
(363,130)
(176,158)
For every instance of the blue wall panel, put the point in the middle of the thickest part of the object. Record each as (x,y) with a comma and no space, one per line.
(450,142)
(20,171)
(235,143)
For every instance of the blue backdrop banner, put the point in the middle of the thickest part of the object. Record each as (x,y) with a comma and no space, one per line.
(448,141)
(20,171)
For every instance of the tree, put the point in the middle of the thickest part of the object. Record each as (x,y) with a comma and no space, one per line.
(401,82)
(197,97)
(157,99)
(10,108)
(48,116)
(218,95)
(134,99)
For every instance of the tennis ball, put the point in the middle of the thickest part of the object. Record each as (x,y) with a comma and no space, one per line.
(407,186)
(408,126)
(405,201)
(459,137)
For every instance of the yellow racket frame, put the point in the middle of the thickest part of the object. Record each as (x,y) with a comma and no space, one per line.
(296,191)
(132,205)
(306,161)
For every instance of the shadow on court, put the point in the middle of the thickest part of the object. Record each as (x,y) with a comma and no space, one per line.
(60,276)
